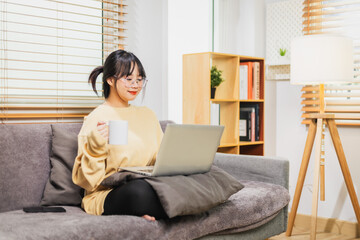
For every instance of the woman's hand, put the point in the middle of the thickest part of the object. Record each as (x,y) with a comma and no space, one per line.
(103,129)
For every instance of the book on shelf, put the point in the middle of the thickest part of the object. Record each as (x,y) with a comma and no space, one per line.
(249,78)
(253,117)
(256,80)
(249,123)
(244,125)
(243,80)
(257,119)
(215,114)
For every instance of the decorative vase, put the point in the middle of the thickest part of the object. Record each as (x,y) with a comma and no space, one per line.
(213,92)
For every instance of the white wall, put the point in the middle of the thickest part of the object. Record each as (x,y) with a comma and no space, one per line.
(145,39)
(189,31)
(240,27)
(159,33)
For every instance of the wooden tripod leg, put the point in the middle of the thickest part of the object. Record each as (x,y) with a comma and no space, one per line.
(322,166)
(302,173)
(344,167)
(315,194)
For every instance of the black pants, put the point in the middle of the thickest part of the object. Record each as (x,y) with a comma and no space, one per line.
(136,197)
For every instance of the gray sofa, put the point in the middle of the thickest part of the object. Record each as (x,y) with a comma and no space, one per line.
(260,208)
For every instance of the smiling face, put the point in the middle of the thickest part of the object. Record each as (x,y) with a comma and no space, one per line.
(127,88)
(128,91)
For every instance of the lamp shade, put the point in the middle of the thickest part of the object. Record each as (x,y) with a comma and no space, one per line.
(321,59)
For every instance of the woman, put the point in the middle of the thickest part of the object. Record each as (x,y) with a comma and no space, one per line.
(123,79)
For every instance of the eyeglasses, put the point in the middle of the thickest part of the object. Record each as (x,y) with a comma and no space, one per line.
(129,82)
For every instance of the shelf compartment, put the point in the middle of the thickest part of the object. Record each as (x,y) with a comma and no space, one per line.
(260,117)
(252,150)
(229,112)
(228,64)
(262,73)
(274,71)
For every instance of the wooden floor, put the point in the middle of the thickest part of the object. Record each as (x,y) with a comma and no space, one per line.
(300,234)
(319,236)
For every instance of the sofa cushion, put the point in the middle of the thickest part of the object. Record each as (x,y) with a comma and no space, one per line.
(60,189)
(256,204)
(24,164)
(164,123)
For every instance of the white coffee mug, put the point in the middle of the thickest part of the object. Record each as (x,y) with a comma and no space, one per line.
(118,132)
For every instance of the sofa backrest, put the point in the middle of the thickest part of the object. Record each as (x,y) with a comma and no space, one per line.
(24,162)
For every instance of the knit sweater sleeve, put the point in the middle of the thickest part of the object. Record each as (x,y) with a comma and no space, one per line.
(90,163)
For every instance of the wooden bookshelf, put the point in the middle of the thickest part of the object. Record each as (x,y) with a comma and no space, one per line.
(197,101)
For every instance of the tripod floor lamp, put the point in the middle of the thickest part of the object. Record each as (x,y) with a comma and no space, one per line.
(319,60)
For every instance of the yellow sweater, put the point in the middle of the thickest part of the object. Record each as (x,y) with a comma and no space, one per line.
(97,160)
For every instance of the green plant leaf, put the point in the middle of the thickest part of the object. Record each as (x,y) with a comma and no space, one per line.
(216,78)
(282,51)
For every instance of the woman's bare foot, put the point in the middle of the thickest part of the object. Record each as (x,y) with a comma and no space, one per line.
(149,218)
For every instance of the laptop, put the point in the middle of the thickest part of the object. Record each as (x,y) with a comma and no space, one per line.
(185,149)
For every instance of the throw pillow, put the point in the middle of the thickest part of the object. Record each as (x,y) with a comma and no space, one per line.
(60,189)
(185,195)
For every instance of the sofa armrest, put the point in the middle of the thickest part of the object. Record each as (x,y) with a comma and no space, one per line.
(255,168)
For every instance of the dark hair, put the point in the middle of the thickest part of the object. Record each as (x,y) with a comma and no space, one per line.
(118,64)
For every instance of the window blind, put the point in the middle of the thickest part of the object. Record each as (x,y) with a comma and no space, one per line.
(48,49)
(334,17)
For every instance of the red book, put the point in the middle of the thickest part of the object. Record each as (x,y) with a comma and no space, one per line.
(250,78)
(253,137)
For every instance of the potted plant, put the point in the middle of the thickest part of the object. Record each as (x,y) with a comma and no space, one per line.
(216,79)
(282,51)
